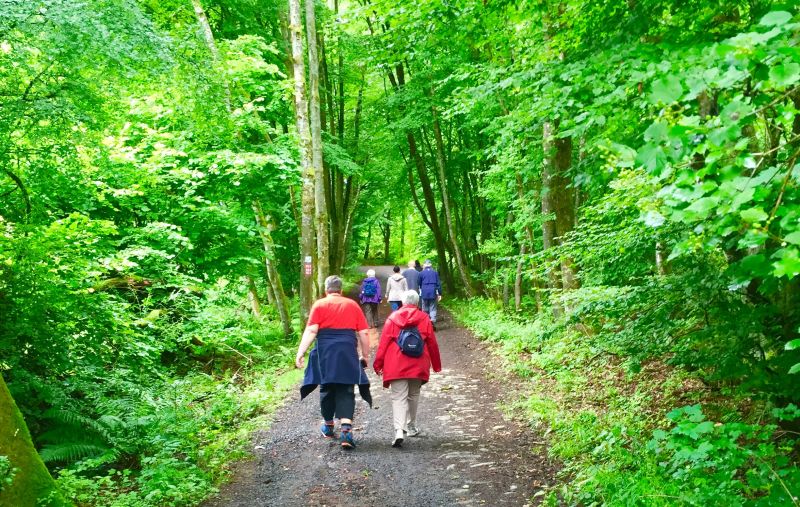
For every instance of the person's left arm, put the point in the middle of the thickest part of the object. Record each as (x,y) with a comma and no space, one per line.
(439,286)
(362,330)
(309,335)
(433,348)
(363,342)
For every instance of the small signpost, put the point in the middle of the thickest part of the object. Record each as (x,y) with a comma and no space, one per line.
(308,267)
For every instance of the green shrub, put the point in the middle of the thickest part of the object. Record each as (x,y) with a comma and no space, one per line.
(7,472)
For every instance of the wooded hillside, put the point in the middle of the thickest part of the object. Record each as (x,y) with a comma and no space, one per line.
(608,186)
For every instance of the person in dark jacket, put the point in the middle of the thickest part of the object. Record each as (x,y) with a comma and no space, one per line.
(430,290)
(404,374)
(370,297)
(412,277)
(340,330)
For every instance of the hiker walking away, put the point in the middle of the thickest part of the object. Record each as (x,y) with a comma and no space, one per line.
(407,351)
(417,265)
(430,290)
(370,297)
(396,285)
(335,364)
(412,277)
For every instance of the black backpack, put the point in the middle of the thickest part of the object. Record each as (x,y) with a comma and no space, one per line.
(410,341)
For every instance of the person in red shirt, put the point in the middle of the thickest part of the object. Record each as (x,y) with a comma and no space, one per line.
(339,327)
(404,374)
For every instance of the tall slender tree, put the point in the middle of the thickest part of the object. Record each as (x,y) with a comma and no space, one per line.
(321,208)
(307,249)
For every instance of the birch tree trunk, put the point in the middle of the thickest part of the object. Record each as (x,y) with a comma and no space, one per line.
(321,211)
(252,295)
(306,155)
(208,35)
(273,279)
(266,226)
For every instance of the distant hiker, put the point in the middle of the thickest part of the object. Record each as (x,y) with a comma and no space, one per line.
(395,287)
(417,265)
(335,363)
(430,290)
(407,351)
(412,277)
(370,297)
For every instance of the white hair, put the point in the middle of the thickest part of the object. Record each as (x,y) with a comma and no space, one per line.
(333,284)
(370,272)
(410,297)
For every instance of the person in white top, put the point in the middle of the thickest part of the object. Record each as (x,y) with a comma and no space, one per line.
(396,285)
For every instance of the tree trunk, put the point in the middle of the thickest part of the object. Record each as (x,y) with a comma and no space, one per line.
(369,240)
(430,200)
(402,230)
(266,226)
(306,156)
(518,279)
(548,208)
(321,211)
(433,218)
(208,36)
(387,236)
(558,199)
(32,483)
(252,294)
(451,231)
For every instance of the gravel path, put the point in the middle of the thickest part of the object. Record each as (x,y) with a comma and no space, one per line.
(467,454)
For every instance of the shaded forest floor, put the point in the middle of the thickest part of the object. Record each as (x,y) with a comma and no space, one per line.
(468,452)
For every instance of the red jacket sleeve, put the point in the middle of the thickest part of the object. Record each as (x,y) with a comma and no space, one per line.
(389,328)
(433,346)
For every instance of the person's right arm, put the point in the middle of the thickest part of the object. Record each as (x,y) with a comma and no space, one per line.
(309,335)
(377,365)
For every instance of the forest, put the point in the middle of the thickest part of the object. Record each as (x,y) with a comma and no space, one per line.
(610,191)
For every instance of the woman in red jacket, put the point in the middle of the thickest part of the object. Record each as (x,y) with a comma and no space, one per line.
(402,373)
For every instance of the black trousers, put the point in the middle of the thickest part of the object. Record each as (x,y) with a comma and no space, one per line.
(337,400)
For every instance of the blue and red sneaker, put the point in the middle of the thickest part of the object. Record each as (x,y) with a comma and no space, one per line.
(347,441)
(327,430)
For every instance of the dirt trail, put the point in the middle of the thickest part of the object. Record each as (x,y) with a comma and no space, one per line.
(468,454)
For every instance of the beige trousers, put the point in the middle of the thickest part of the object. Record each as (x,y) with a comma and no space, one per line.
(405,398)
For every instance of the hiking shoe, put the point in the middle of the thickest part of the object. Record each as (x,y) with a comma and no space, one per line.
(347,440)
(327,431)
(412,430)
(398,438)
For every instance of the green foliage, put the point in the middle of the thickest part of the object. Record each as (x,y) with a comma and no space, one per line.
(182,434)
(7,472)
(128,245)
(612,426)
(719,463)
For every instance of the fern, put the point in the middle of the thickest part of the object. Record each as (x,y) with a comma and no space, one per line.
(72,452)
(78,421)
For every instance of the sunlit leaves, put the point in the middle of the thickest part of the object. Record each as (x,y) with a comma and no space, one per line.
(667,90)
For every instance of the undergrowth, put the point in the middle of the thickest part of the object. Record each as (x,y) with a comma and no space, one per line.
(637,431)
(181,436)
